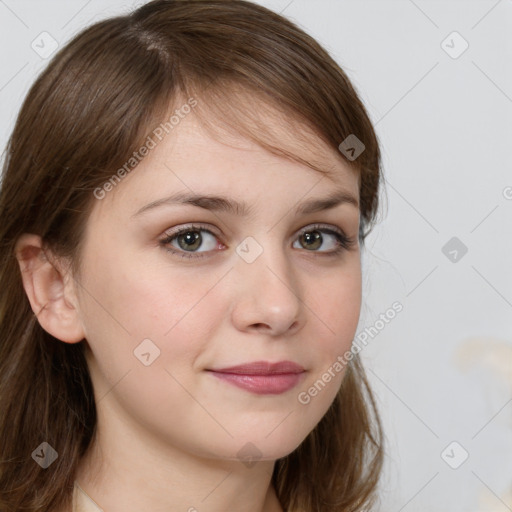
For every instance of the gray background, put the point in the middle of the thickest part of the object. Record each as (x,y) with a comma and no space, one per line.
(442,369)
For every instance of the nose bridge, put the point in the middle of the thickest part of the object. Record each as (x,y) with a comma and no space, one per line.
(264,259)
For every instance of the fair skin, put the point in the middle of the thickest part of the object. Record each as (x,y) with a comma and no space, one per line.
(162,423)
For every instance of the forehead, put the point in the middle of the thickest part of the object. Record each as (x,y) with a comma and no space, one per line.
(239,116)
(243,158)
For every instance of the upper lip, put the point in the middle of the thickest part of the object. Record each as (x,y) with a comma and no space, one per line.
(262,368)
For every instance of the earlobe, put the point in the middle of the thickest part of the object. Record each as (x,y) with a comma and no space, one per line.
(44,284)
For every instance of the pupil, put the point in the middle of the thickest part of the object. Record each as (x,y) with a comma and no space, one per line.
(312,237)
(190,238)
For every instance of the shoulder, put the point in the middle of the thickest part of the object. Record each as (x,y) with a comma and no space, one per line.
(82,502)
(75,505)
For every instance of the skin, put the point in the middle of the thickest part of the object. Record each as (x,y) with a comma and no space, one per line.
(159,424)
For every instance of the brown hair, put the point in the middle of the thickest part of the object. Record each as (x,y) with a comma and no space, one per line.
(84,116)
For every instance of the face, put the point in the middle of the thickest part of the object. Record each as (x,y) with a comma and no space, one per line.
(174,295)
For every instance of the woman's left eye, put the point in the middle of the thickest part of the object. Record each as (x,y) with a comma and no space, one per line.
(185,241)
(313,237)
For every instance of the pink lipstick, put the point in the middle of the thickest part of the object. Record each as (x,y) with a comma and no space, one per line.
(262,377)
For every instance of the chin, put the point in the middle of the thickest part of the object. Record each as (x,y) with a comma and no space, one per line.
(257,446)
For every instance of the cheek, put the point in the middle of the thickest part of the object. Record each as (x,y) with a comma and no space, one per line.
(177,312)
(337,308)
(128,302)
(334,316)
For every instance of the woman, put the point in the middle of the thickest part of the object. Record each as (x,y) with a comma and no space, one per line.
(185,199)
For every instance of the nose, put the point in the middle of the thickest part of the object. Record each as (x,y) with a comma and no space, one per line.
(268,295)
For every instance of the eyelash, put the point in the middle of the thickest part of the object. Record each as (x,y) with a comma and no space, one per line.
(344,242)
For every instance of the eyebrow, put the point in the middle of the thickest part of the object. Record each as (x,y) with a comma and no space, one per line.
(224,204)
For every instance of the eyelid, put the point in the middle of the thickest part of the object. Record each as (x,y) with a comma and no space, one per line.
(210,228)
(191,227)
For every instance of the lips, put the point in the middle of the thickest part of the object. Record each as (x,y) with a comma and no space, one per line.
(263,368)
(262,377)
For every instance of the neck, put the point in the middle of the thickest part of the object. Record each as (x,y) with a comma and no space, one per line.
(149,476)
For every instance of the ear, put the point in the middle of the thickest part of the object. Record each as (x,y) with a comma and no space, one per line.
(50,290)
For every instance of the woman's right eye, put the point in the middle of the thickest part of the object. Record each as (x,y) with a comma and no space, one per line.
(186,240)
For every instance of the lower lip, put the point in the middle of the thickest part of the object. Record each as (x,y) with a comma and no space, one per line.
(262,384)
